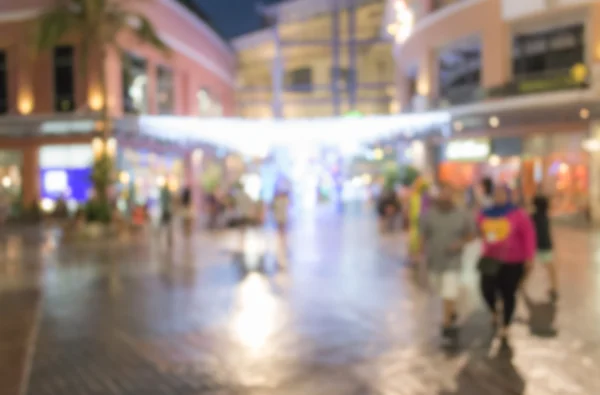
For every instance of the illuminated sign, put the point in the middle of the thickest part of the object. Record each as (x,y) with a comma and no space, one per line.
(65,127)
(468,149)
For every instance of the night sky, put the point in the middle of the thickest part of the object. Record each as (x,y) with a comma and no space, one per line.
(233,17)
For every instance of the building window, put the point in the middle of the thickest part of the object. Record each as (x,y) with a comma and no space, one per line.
(165,90)
(208,104)
(460,72)
(64,79)
(3,83)
(345,78)
(549,52)
(299,80)
(135,85)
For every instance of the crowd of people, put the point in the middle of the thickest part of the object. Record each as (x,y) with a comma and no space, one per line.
(513,236)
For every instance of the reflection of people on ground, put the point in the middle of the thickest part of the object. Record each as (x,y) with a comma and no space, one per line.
(213,209)
(418,205)
(187,211)
(166,215)
(388,208)
(508,249)
(541,317)
(483,374)
(280,210)
(545,256)
(245,211)
(446,229)
(61,210)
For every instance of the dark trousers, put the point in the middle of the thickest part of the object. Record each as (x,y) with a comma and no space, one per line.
(505,283)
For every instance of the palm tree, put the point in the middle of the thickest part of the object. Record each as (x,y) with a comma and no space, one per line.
(98,25)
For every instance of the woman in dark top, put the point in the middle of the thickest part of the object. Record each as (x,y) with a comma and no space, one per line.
(545,255)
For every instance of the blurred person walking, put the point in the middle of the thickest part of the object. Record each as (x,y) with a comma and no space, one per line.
(483,193)
(187,211)
(281,205)
(446,229)
(388,208)
(166,215)
(245,213)
(545,255)
(509,244)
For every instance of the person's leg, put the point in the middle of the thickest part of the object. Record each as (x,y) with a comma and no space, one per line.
(551,268)
(509,279)
(243,233)
(488,291)
(449,291)
(547,259)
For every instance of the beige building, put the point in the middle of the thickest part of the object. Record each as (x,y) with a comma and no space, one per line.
(316,58)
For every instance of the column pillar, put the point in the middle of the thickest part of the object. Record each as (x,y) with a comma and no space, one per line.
(335,61)
(402,88)
(594,175)
(427,81)
(352,88)
(496,49)
(31,175)
(277,74)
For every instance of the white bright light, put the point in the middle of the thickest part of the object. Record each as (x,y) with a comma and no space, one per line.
(591,145)
(6,182)
(56,181)
(256,137)
(47,205)
(405,21)
(494,160)
(494,122)
(467,149)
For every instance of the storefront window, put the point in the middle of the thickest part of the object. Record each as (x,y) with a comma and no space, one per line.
(10,179)
(65,173)
(557,166)
(568,183)
(143,173)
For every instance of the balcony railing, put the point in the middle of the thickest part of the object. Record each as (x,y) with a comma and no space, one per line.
(464,94)
(438,4)
(550,81)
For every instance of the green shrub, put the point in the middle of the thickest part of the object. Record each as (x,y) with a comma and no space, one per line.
(97,210)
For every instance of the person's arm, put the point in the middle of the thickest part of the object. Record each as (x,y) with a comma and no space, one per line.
(424,227)
(468,233)
(529,237)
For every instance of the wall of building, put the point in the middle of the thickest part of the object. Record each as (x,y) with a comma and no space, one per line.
(308,43)
(199,59)
(493,23)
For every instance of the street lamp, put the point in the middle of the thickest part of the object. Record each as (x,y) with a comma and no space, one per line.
(102,147)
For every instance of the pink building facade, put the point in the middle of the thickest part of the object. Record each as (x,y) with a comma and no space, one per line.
(38,109)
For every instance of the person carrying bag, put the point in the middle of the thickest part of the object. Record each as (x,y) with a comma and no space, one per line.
(509,245)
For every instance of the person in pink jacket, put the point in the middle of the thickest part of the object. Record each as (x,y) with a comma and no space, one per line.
(509,241)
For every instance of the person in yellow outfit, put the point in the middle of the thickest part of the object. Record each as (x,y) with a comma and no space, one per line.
(417,204)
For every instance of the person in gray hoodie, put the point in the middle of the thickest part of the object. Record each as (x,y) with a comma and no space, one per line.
(446,229)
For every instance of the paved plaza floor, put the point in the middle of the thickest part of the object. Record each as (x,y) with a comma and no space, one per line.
(341,315)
